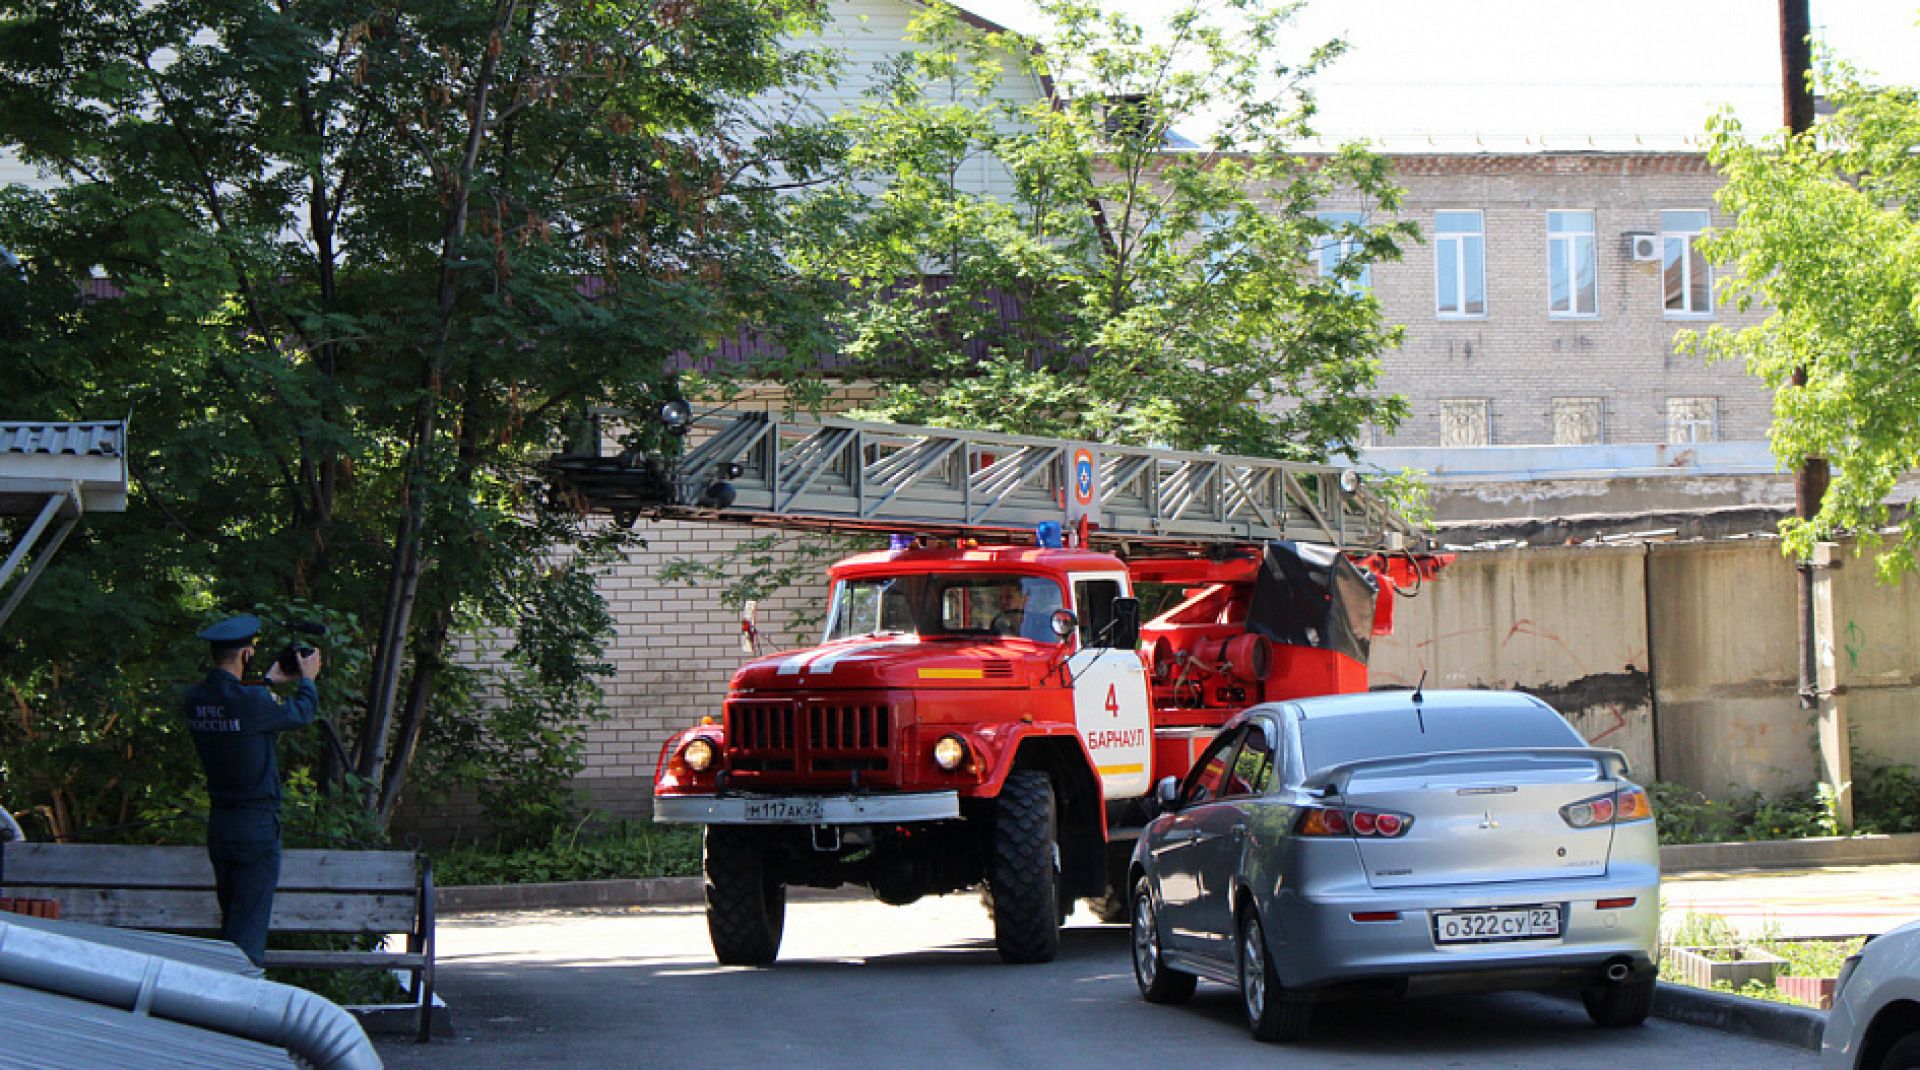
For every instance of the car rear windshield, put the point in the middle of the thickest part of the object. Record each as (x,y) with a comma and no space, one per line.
(1398,731)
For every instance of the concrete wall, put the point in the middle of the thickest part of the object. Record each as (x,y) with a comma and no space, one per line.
(1877,655)
(1723,662)
(1566,623)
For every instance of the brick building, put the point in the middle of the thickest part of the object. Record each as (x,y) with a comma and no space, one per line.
(1543,305)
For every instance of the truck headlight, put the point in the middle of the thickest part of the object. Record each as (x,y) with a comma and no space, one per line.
(950,753)
(698,755)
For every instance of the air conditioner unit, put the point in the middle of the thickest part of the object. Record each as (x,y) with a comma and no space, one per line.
(1644,246)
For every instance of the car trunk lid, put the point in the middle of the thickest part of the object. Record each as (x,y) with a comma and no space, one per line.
(1479,817)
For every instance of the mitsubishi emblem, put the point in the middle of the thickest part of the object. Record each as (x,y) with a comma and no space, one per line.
(1489,823)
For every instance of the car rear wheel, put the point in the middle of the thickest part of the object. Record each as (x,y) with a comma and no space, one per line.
(1024,872)
(1622,1003)
(1272,1012)
(1902,1056)
(746,903)
(1159,982)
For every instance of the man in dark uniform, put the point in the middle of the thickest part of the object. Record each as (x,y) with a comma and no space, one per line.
(235,728)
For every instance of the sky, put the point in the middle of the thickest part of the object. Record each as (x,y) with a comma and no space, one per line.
(1513,74)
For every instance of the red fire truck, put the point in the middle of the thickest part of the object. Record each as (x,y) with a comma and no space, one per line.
(1055,628)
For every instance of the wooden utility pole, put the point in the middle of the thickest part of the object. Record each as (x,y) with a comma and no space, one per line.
(1811,475)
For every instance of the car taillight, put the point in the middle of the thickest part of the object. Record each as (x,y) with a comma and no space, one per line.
(1631,805)
(1613,808)
(1336,821)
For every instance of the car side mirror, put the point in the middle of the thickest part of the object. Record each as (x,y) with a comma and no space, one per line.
(1167,793)
(1126,624)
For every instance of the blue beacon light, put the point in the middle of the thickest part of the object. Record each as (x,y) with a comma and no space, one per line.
(1048,532)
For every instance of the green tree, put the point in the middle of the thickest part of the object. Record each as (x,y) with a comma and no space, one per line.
(368,264)
(1164,295)
(1827,239)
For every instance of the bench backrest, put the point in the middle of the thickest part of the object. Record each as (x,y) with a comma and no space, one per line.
(172,887)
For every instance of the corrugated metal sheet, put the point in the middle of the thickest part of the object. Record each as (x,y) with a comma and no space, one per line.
(192,950)
(42,1031)
(102,439)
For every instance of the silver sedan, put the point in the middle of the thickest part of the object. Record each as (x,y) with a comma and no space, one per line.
(1399,843)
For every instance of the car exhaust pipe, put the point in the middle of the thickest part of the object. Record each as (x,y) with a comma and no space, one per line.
(1618,969)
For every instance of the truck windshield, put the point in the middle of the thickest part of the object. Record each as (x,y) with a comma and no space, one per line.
(937,605)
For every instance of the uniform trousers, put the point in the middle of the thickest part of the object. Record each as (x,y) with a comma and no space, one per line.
(244,847)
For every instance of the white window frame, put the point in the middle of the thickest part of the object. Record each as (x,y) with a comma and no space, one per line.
(1563,249)
(1687,238)
(1341,248)
(1711,423)
(1454,245)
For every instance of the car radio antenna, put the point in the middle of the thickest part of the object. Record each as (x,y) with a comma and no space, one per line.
(1419,697)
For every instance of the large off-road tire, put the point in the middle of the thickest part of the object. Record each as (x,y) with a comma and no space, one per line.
(1621,1003)
(746,903)
(1273,1013)
(1023,871)
(1159,982)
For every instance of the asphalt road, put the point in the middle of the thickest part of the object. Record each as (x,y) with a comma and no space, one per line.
(865,985)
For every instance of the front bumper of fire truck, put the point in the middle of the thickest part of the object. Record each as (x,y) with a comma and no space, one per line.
(750,808)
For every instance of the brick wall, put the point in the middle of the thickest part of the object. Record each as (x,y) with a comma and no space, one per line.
(1519,358)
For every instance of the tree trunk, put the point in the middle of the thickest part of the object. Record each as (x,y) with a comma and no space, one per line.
(403,583)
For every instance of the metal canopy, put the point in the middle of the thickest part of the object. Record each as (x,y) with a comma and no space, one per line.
(846,475)
(56,472)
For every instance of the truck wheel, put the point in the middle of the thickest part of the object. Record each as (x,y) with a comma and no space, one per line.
(1024,872)
(746,904)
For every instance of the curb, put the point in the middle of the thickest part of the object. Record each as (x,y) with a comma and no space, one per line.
(649,892)
(1789,854)
(657,891)
(1799,1027)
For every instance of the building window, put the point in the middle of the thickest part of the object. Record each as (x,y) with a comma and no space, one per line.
(1460,264)
(1332,250)
(1577,422)
(1692,420)
(1572,280)
(1684,271)
(1466,422)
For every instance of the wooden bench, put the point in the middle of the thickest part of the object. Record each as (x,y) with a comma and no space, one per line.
(171,888)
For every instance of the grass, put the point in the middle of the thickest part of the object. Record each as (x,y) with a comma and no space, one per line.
(1805,958)
(624,850)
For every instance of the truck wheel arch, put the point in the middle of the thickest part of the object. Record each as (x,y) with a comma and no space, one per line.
(1079,804)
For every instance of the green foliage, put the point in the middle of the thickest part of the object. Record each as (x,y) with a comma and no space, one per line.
(370,265)
(1687,816)
(520,741)
(627,850)
(1163,297)
(1804,958)
(1886,799)
(1827,239)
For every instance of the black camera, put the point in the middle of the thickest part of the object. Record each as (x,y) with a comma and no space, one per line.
(289,659)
